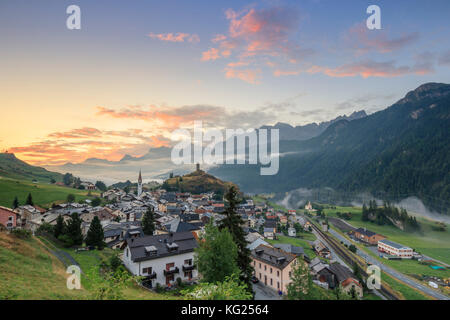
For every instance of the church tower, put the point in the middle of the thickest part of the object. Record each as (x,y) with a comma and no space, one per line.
(139,188)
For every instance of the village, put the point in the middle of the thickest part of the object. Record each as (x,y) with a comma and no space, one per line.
(276,238)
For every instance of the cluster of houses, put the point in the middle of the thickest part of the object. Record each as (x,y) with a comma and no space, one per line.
(180,218)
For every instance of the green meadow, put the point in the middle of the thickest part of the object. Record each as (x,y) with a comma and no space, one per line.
(43,194)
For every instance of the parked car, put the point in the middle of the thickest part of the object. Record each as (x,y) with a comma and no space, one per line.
(255,279)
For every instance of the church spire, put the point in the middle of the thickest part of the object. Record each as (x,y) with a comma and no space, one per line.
(140,177)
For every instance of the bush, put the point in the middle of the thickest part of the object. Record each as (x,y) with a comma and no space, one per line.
(66,240)
(21,233)
(115,262)
(46,228)
(159,288)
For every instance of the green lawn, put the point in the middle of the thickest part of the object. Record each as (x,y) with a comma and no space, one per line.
(44,194)
(90,259)
(407,292)
(298,242)
(431,243)
(29,271)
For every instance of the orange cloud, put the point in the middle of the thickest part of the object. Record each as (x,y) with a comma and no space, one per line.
(77,133)
(110,145)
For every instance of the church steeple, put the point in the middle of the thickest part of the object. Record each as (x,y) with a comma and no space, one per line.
(139,188)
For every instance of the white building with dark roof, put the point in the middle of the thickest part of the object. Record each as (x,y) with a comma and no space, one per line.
(395,249)
(162,258)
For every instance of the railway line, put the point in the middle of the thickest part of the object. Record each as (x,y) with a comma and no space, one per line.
(349,258)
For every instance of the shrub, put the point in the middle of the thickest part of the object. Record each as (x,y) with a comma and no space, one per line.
(21,233)
(158,288)
(66,240)
(45,228)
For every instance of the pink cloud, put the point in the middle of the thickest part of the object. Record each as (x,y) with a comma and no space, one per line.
(219,38)
(279,73)
(175,37)
(211,54)
(250,76)
(370,68)
(362,40)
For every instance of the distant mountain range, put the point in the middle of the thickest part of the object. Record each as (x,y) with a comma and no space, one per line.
(400,151)
(288,132)
(156,164)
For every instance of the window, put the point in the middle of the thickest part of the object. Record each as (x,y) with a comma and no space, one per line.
(170,265)
(271,282)
(265,268)
(147,270)
(290,274)
(10,218)
(260,265)
(270,270)
(188,262)
(278,273)
(278,285)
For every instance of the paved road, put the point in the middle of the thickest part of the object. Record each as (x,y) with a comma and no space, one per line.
(393,272)
(263,292)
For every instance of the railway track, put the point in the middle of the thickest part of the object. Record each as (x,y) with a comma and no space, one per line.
(349,258)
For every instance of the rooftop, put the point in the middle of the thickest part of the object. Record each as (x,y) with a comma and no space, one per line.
(273,256)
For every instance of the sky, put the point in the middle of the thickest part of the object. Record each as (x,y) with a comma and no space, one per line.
(137,70)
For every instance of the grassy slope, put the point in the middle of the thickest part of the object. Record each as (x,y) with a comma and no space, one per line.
(432,243)
(44,194)
(198,182)
(89,259)
(14,168)
(29,271)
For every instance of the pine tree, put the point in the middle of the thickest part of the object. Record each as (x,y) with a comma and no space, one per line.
(95,234)
(59,227)
(216,256)
(74,229)
(29,200)
(15,203)
(233,222)
(148,222)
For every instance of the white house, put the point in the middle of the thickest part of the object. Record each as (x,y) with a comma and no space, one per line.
(292,232)
(395,249)
(162,258)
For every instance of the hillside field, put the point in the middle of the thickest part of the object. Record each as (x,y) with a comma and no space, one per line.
(44,194)
(28,270)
